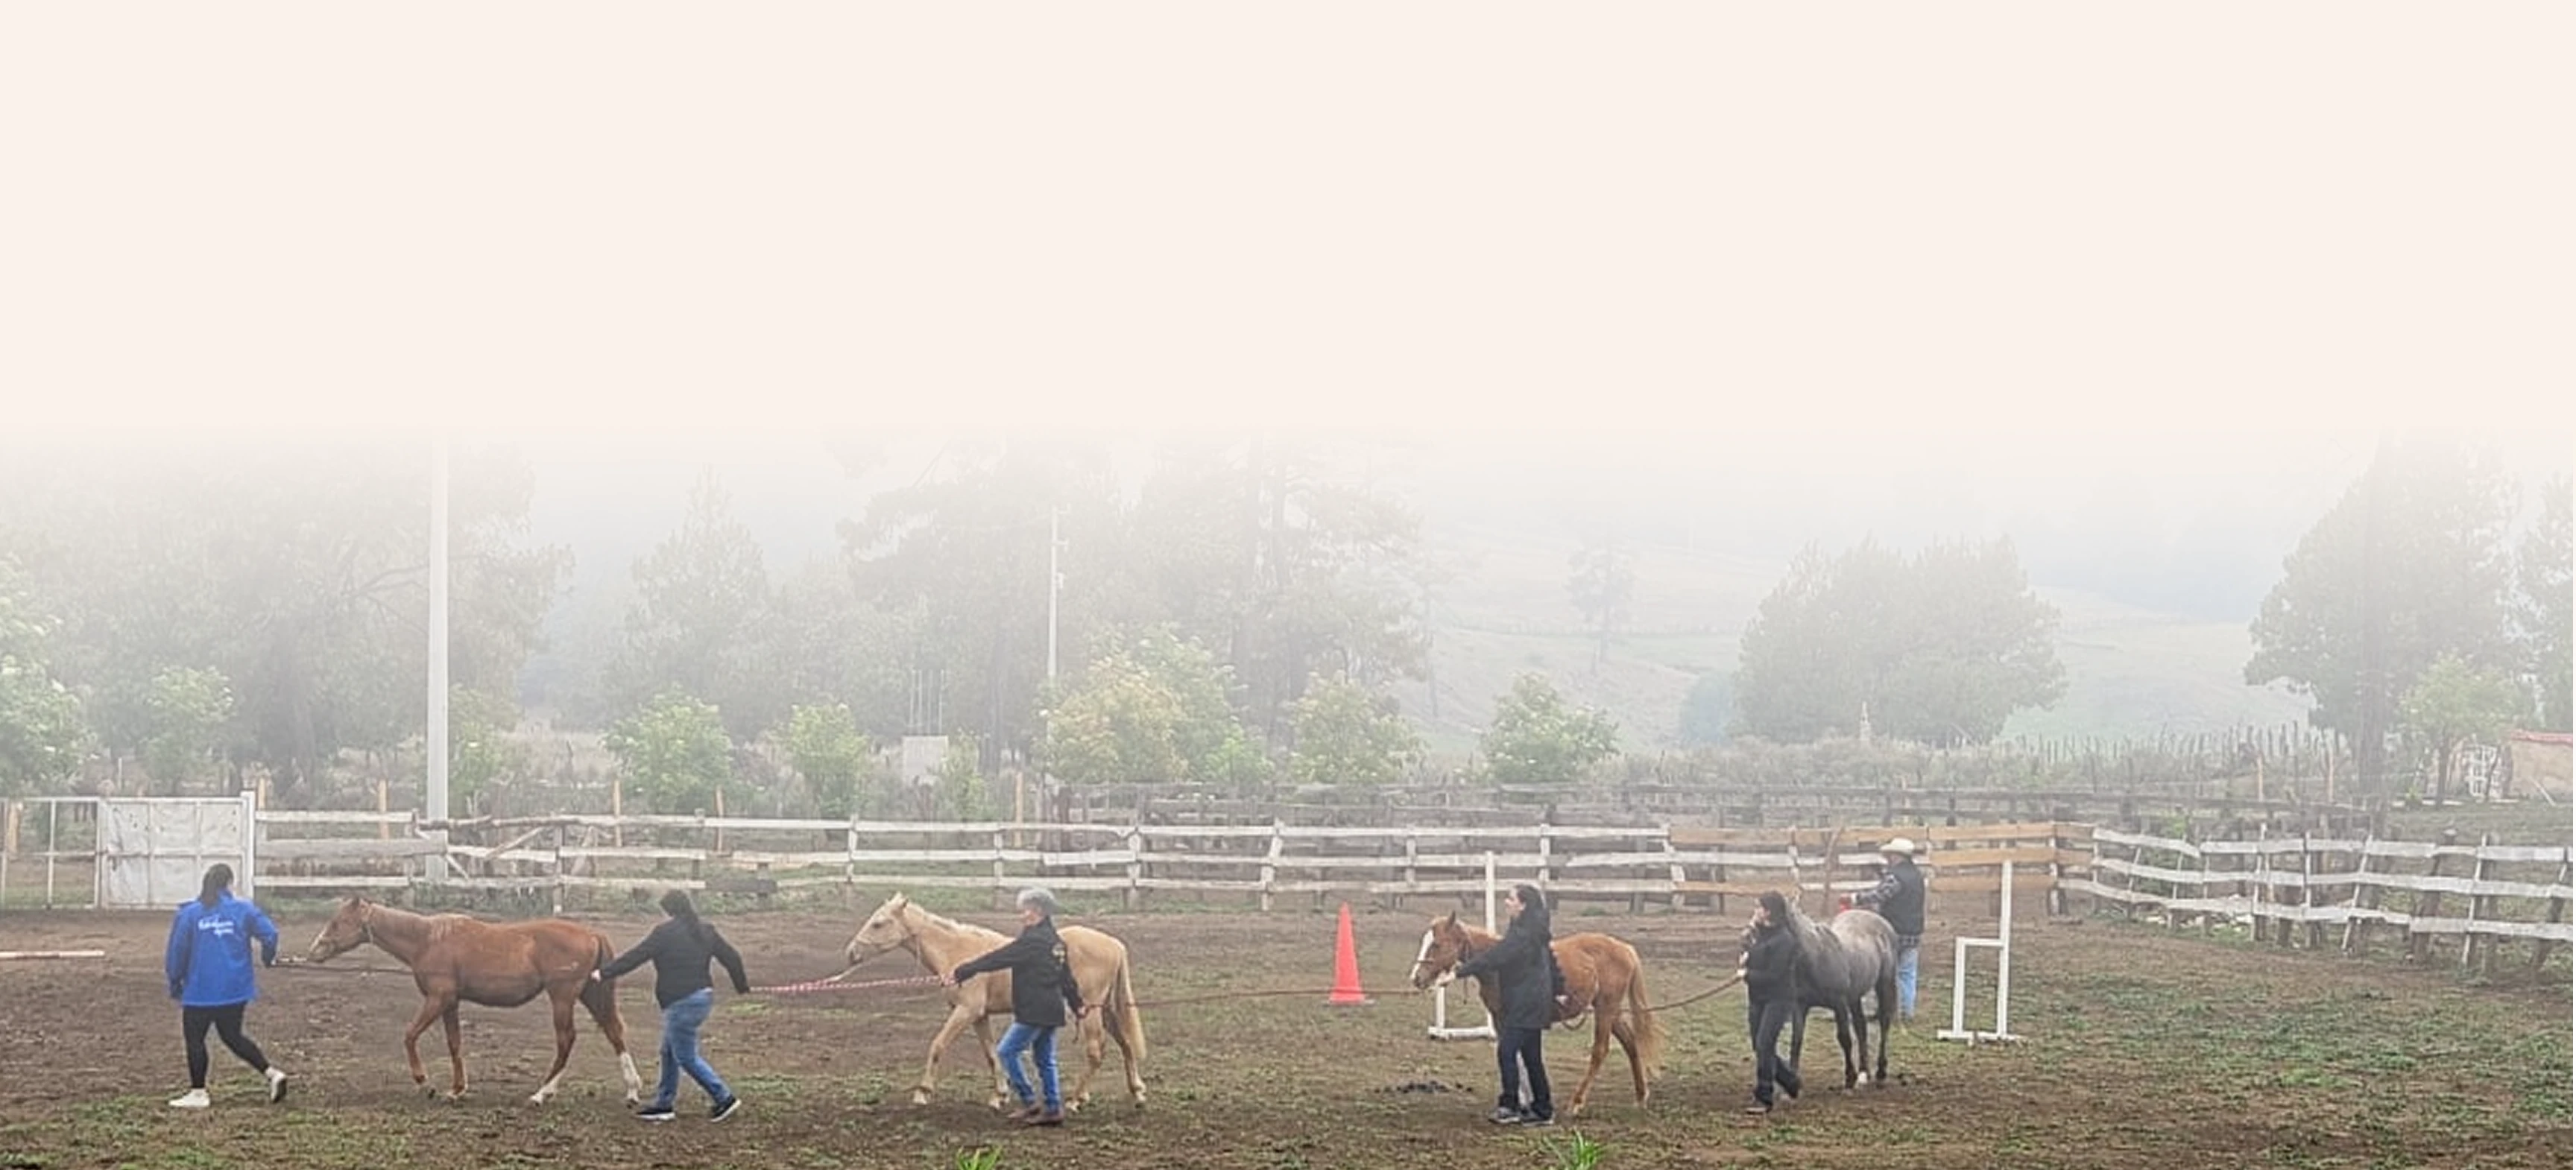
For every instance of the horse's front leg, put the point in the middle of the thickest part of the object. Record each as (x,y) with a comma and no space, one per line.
(431,1006)
(455,1050)
(562,1003)
(992,1061)
(948,1030)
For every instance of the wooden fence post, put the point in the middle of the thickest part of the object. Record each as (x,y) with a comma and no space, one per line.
(1674,866)
(1135,866)
(2428,903)
(2557,912)
(1412,853)
(1270,862)
(2365,896)
(2480,906)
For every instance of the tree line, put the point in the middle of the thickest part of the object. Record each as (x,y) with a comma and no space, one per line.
(1238,618)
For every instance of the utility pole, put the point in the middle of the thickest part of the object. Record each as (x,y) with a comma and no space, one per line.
(434,800)
(1055,583)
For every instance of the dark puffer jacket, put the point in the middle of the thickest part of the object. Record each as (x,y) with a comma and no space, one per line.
(1042,984)
(1524,969)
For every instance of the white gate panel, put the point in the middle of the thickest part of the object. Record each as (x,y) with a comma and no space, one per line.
(153,851)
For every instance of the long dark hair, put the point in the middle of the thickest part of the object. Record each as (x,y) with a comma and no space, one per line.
(1533,917)
(219,878)
(676,903)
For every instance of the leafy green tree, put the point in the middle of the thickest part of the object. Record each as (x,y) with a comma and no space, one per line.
(676,751)
(297,572)
(961,558)
(2455,704)
(1707,709)
(1270,552)
(1940,647)
(1539,738)
(42,732)
(701,597)
(1603,587)
(1152,708)
(187,714)
(2545,608)
(479,750)
(2407,567)
(826,748)
(1349,736)
(961,792)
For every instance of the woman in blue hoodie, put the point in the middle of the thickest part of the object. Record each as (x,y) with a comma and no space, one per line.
(208,964)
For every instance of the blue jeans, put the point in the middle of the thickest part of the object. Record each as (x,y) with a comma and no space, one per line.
(1906,958)
(680,1024)
(1039,1043)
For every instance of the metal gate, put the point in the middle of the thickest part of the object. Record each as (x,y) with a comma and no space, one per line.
(153,851)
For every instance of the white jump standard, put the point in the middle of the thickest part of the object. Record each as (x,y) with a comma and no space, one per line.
(1440,1029)
(2002,945)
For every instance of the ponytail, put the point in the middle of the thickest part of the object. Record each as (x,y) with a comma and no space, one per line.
(676,903)
(219,877)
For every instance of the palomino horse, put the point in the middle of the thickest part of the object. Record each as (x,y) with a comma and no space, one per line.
(455,959)
(1099,964)
(1838,964)
(1602,975)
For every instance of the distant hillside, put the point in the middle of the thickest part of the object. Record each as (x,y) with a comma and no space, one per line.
(2130,671)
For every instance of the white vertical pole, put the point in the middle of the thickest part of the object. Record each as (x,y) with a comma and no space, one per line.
(434,799)
(250,842)
(1489,892)
(2003,957)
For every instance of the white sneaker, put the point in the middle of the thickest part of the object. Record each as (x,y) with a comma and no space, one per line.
(276,1085)
(192,1099)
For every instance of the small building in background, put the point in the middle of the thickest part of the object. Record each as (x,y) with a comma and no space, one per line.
(2540,764)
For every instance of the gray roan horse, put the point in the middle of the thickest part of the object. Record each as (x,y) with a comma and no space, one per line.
(1838,963)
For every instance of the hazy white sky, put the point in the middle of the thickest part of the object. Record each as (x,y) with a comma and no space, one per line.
(1909,226)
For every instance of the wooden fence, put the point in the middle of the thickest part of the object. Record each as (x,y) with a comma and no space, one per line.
(2421,896)
(1257,865)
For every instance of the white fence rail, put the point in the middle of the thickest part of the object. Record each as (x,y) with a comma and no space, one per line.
(2293,889)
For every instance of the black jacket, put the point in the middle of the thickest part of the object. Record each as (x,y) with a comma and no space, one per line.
(1042,983)
(1524,969)
(1898,898)
(679,950)
(1771,965)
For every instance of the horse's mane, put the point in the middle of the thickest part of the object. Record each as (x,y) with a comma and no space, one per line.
(951,923)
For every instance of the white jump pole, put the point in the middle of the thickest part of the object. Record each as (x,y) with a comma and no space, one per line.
(1440,1029)
(2002,945)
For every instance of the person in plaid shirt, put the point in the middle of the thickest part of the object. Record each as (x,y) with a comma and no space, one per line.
(1898,898)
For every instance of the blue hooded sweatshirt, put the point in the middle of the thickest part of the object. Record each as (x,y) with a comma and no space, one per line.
(209,956)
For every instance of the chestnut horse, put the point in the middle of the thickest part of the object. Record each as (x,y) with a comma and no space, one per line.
(1099,964)
(456,959)
(1602,975)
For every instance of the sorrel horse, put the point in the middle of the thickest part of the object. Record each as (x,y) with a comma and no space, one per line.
(1099,964)
(1602,975)
(456,959)
(1838,964)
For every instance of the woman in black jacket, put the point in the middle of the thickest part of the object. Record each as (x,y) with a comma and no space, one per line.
(1042,986)
(679,949)
(1524,968)
(1770,996)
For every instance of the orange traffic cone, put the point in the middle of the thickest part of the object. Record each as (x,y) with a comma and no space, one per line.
(1346,966)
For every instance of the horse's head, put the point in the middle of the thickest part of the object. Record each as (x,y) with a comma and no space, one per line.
(349,927)
(1444,946)
(890,927)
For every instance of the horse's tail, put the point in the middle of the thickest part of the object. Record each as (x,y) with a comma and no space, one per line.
(600,994)
(1650,1031)
(1121,1010)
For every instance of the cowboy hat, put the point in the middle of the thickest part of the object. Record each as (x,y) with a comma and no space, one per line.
(1903,845)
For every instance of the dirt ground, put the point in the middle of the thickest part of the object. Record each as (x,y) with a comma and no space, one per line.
(2141,1048)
